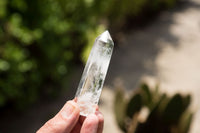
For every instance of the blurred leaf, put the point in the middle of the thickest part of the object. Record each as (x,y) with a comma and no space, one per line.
(134,105)
(119,108)
(167,114)
(4,65)
(146,94)
(174,109)
(186,101)
(185,122)
(3,10)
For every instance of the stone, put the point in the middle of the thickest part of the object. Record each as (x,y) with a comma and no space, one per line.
(92,80)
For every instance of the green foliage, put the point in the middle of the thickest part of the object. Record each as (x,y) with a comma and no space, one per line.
(41,40)
(134,105)
(174,109)
(119,108)
(166,114)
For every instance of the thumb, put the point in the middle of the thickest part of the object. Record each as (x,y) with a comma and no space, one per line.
(64,121)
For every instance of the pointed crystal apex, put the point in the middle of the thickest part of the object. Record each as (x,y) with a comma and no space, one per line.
(105,37)
(91,83)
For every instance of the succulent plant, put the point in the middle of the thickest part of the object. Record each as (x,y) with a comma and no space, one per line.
(166,114)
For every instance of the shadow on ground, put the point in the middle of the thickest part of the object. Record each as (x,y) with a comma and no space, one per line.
(136,52)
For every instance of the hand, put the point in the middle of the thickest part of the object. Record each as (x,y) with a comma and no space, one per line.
(68,120)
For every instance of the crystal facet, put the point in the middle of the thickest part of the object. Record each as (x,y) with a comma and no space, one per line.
(91,83)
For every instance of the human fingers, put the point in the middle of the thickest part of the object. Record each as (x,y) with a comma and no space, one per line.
(78,125)
(101,121)
(76,128)
(81,119)
(64,121)
(90,124)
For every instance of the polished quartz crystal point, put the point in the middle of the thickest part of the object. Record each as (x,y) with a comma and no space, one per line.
(91,83)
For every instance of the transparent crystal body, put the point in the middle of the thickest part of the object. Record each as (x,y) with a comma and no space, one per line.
(91,83)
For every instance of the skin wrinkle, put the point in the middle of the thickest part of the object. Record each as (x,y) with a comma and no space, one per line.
(68,120)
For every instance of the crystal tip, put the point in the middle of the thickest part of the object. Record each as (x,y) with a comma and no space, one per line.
(105,37)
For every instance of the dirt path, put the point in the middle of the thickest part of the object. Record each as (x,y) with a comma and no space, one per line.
(165,52)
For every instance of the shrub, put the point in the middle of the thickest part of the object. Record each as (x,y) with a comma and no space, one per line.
(40,41)
(163,114)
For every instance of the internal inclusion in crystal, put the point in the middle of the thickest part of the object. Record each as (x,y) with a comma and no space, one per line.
(91,83)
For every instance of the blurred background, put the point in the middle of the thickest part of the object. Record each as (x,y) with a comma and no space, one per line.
(152,84)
